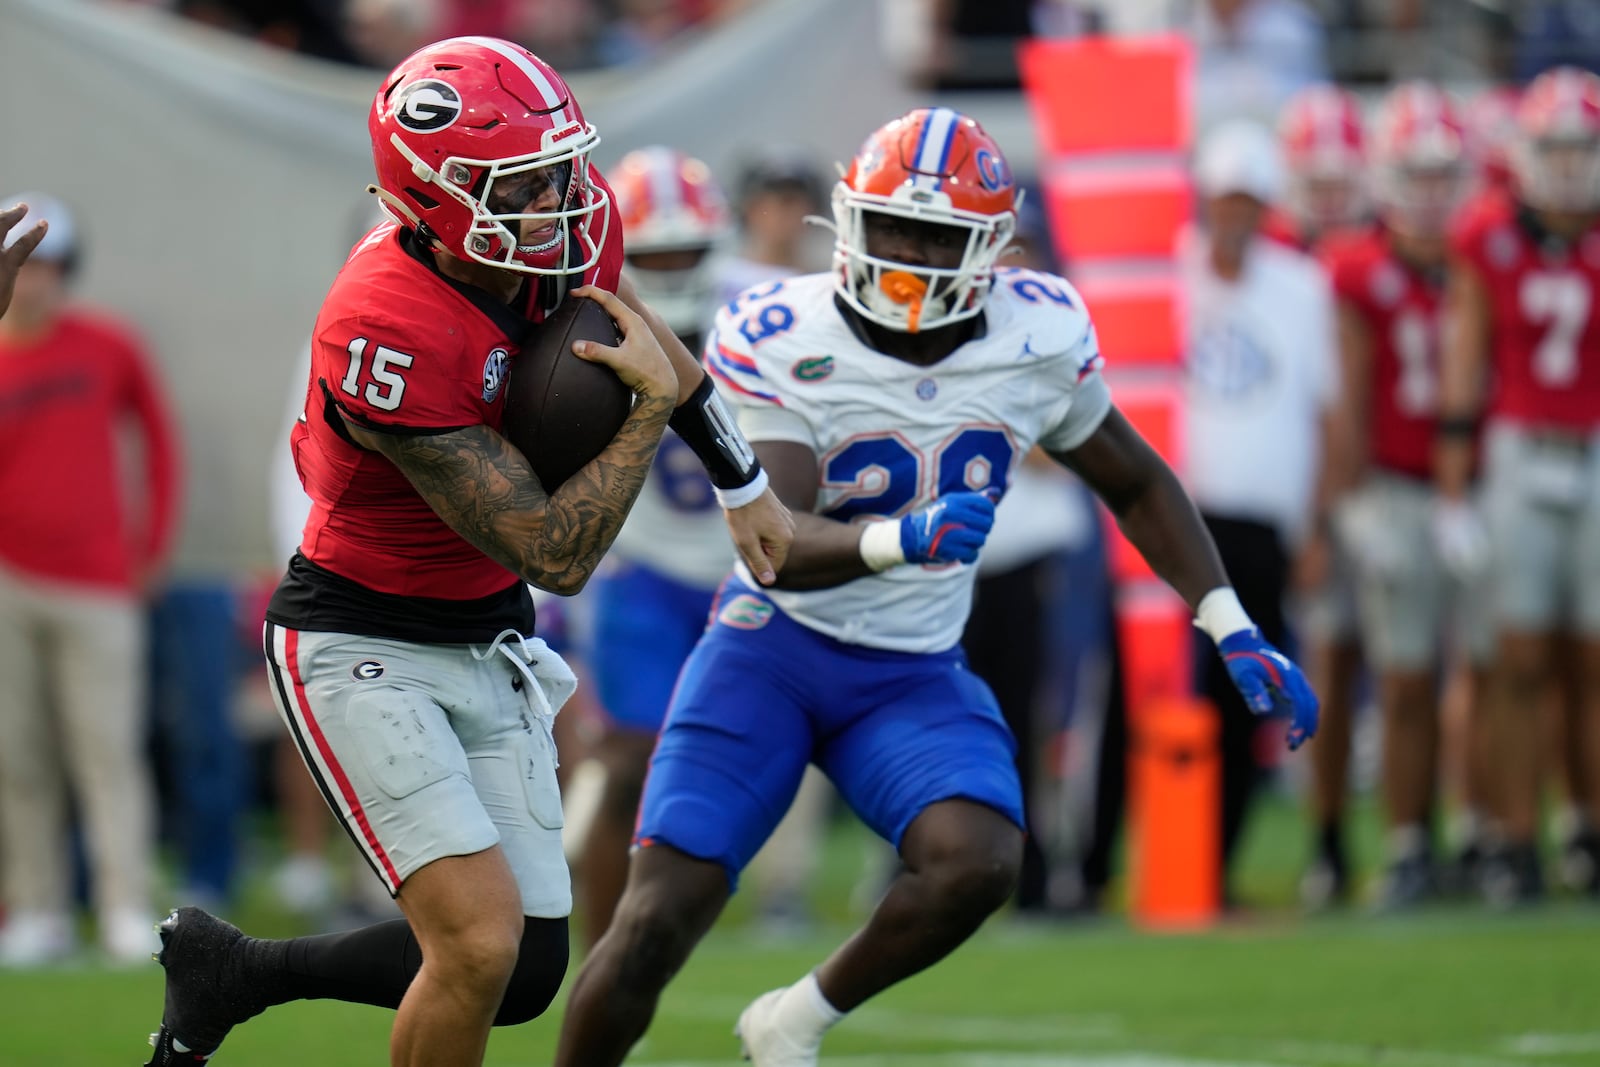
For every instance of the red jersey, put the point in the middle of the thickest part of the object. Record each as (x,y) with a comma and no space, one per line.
(400,348)
(64,512)
(1401,309)
(1544,316)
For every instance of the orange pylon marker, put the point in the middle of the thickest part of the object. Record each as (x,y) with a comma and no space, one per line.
(1174,781)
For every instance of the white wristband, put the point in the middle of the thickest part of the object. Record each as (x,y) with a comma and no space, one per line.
(745,494)
(1221,615)
(880,545)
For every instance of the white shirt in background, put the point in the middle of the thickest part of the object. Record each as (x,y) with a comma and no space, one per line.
(1262,370)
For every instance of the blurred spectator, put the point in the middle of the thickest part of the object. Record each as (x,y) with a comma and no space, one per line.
(1262,379)
(1251,56)
(1555,33)
(378,33)
(641,29)
(80,545)
(774,193)
(309,26)
(957,44)
(383,32)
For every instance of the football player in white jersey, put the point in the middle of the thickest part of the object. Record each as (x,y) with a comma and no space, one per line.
(653,593)
(889,400)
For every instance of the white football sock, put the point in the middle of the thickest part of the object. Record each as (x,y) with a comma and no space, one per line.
(803,1010)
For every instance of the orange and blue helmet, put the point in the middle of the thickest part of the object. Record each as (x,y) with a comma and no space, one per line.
(931,165)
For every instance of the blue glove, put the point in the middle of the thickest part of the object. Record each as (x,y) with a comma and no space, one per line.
(950,530)
(1270,683)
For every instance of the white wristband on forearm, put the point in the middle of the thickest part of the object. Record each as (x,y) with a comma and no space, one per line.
(745,494)
(1221,615)
(880,545)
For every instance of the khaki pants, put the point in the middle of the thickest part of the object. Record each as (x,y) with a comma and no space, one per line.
(72,707)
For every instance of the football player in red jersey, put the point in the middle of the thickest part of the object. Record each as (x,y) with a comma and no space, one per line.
(1322,135)
(399,643)
(1523,354)
(14,250)
(1388,282)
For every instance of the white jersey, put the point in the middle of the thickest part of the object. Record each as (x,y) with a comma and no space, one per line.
(891,437)
(676,526)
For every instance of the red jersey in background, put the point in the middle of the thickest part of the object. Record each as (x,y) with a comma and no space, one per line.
(65,509)
(1544,312)
(1401,309)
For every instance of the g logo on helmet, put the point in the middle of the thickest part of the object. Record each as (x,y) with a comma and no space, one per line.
(992,170)
(428,106)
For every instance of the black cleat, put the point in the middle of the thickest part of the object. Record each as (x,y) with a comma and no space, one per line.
(1512,877)
(207,994)
(1407,883)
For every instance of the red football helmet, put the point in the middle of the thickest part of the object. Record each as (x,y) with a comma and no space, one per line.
(1491,128)
(673,215)
(931,165)
(466,134)
(1324,151)
(1556,154)
(1421,163)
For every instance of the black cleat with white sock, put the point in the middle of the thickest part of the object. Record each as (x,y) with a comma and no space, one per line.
(209,989)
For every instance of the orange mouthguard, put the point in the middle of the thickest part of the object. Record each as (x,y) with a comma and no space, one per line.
(904,287)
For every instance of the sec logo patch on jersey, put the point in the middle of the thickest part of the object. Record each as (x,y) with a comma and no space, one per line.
(494,374)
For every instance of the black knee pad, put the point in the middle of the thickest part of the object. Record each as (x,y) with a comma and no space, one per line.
(541,965)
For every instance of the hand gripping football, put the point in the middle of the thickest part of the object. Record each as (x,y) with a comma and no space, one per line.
(561,411)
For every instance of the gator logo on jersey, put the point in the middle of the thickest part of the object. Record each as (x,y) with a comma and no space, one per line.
(494,374)
(367,670)
(428,106)
(745,612)
(812,369)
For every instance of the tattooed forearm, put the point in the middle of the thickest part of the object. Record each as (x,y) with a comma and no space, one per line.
(583,516)
(484,489)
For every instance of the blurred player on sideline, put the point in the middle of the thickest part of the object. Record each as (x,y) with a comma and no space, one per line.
(1522,357)
(651,596)
(890,399)
(400,642)
(1388,282)
(1322,135)
(1323,138)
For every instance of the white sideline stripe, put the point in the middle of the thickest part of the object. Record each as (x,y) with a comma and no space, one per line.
(977,1029)
(1552,1044)
(1319,1052)
(997,1059)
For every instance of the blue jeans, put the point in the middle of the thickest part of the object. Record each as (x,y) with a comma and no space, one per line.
(195,661)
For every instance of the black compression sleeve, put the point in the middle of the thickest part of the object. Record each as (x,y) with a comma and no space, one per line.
(709,428)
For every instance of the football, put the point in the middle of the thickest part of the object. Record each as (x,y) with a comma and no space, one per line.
(561,411)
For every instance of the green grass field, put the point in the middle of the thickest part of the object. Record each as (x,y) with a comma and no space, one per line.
(1452,987)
